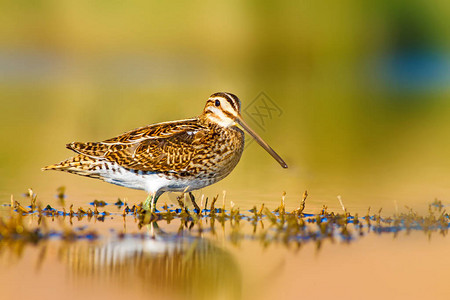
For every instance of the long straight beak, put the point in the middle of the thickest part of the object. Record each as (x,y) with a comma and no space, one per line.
(261,142)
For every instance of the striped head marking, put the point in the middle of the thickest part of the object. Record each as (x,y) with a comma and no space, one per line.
(222,109)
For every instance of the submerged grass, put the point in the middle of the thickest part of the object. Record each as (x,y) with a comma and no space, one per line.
(268,226)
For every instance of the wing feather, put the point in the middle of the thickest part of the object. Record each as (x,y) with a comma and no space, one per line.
(163,147)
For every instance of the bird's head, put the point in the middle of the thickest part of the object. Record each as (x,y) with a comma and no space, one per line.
(224,109)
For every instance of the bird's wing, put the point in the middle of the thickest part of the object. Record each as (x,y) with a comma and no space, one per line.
(161,147)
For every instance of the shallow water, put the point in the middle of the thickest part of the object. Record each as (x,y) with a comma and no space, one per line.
(109,251)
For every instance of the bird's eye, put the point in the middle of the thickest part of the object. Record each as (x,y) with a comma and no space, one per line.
(217,103)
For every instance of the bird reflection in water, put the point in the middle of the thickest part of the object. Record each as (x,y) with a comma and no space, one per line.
(186,266)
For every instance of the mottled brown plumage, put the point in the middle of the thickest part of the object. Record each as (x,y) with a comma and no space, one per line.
(172,156)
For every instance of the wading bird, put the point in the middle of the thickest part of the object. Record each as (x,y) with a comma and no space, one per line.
(177,156)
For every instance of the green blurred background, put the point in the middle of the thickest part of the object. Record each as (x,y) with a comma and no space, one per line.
(363,87)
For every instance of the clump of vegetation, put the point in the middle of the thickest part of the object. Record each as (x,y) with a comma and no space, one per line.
(268,226)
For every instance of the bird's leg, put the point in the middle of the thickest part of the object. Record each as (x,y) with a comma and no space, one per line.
(154,200)
(150,202)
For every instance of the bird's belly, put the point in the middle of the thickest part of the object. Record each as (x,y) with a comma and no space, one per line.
(153,182)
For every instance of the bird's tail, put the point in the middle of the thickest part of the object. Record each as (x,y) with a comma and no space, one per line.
(79,164)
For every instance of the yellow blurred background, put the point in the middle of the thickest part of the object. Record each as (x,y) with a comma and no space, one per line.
(362,90)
